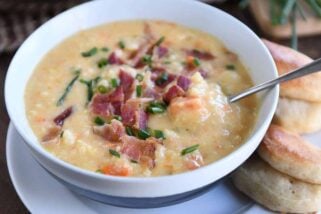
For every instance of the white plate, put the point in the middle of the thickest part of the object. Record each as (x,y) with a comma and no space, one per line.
(43,194)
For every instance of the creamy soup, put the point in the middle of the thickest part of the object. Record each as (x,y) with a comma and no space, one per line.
(139,98)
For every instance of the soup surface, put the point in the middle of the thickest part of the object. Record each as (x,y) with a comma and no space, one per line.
(139,98)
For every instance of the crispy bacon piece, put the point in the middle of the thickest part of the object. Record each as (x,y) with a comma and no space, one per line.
(203,72)
(149,34)
(60,119)
(111,132)
(194,161)
(173,92)
(161,51)
(126,82)
(113,59)
(183,82)
(107,104)
(152,93)
(133,114)
(145,47)
(142,151)
(52,134)
(204,55)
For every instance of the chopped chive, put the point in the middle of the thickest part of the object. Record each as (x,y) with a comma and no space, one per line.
(158,134)
(114,82)
(104,49)
(76,71)
(91,84)
(230,67)
(139,90)
(161,79)
(155,110)
(147,60)
(62,134)
(117,117)
(160,41)
(90,52)
(196,62)
(143,134)
(114,153)
(102,89)
(156,107)
(167,62)
(139,77)
(102,63)
(67,90)
(189,149)
(121,44)
(99,121)
(99,171)
(133,161)
(129,131)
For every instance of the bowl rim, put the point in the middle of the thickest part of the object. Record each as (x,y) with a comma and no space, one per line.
(136,179)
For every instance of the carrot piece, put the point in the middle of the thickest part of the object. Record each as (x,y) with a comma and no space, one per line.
(117,170)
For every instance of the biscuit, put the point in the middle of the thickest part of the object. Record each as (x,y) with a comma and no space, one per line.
(286,59)
(298,116)
(275,190)
(291,154)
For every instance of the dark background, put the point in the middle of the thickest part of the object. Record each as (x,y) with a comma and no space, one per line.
(9,201)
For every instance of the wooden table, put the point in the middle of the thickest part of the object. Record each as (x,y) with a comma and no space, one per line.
(10,202)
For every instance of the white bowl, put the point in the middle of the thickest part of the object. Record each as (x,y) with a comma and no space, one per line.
(128,191)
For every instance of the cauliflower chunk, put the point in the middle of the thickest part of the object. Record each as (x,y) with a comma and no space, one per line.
(198,87)
(188,111)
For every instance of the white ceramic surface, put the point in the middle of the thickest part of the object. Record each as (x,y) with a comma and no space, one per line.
(236,36)
(43,194)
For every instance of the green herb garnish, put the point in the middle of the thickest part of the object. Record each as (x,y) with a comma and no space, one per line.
(68,89)
(99,121)
(162,79)
(139,77)
(104,49)
(91,84)
(62,134)
(159,41)
(133,161)
(121,44)
(167,62)
(159,134)
(114,153)
(230,67)
(189,149)
(102,89)
(156,107)
(99,171)
(143,134)
(196,62)
(139,90)
(129,131)
(285,11)
(147,60)
(90,52)
(155,110)
(114,82)
(102,63)
(117,117)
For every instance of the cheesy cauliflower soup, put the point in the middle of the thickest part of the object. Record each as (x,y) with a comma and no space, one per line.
(139,98)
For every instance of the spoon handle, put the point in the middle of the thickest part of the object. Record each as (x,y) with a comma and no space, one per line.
(314,66)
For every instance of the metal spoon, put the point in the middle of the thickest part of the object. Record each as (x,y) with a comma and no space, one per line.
(313,67)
